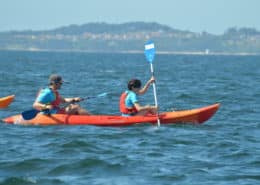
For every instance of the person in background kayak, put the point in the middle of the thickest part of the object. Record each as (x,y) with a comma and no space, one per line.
(129,104)
(49,99)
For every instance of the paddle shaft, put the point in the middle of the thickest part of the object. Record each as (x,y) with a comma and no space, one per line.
(155,96)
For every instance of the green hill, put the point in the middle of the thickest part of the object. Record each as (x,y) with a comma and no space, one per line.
(130,37)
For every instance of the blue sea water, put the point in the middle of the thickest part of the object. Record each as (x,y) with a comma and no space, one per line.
(225,150)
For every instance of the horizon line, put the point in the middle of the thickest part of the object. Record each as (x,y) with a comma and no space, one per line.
(101,22)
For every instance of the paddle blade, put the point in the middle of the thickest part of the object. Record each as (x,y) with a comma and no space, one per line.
(149,51)
(30,114)
(102,95)
(92,97)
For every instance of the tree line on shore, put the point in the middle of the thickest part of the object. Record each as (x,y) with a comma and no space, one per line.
(130,37)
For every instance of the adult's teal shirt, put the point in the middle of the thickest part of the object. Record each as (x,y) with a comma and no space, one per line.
(47,96)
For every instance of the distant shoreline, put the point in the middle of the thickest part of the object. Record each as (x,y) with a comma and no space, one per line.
(130,37)
(139,52)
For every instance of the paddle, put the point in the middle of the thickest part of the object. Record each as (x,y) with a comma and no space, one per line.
(30,114)
(149,54)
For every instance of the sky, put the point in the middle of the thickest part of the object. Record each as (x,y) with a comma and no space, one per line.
(213,16)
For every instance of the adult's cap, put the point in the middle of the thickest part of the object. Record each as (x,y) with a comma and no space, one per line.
(54,78)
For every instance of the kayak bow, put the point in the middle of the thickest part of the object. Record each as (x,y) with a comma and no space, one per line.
(5,101)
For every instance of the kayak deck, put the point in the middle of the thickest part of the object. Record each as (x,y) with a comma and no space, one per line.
(5,101)
(195,116)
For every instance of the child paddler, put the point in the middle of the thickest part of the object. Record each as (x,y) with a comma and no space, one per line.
(129,104)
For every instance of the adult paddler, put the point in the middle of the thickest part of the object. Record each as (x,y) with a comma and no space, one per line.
(49,100)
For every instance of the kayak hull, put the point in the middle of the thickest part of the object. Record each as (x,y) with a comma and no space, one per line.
(196,116)
(5,101)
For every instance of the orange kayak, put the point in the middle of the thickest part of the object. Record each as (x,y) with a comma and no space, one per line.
(196,116)
(5,101)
